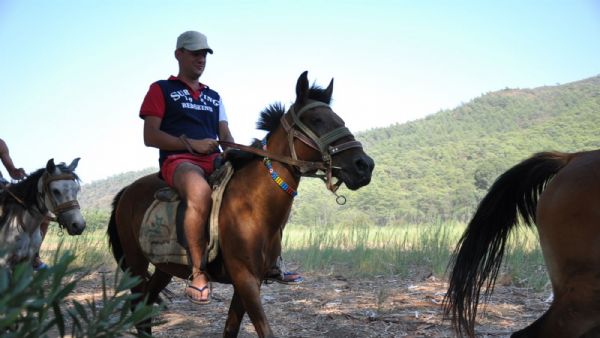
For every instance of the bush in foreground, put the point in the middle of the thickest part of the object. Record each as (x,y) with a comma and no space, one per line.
(34,304)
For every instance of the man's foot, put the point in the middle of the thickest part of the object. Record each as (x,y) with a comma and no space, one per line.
(199,290)
(37,264)
(288,278)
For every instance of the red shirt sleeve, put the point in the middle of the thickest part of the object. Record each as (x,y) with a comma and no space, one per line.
(154,102)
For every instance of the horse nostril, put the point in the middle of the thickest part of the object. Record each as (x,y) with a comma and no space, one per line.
(78,227)
(364,164)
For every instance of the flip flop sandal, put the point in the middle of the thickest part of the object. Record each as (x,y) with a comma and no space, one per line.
(286,279)
(199,301)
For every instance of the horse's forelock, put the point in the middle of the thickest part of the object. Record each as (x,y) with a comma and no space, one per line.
(270,117)
(64,169)
(319,94)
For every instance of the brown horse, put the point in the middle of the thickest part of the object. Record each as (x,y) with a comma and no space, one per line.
(560,194)
(255,208)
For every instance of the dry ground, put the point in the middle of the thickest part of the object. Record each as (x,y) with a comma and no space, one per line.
(328,305)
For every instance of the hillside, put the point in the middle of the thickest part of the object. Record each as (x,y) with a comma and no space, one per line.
(99,194)
(440,166)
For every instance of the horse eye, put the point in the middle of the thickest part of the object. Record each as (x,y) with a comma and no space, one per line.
(316,120)
(55,192)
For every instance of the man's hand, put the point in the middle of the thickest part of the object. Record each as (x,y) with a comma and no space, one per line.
(205,146)
(17,173)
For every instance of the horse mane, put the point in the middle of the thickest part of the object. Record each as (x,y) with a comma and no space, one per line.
(27,191)
(270,117)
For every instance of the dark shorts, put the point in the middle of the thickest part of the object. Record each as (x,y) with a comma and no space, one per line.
(170,164)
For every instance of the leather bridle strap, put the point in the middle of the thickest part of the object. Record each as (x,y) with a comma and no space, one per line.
(58,208)
(307,136)
(302,165)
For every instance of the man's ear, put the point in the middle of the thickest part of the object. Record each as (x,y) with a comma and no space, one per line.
(178,53)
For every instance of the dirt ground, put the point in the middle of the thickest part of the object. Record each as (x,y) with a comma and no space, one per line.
(328,305)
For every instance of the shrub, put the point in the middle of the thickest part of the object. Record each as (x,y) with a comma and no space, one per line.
(34,304)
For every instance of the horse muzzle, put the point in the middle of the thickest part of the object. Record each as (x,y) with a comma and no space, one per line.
(73,222)
(357,173)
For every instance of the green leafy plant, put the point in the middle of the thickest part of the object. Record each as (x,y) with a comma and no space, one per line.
(115,314)
(34,304)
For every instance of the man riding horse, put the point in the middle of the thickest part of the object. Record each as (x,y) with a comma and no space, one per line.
(179,113)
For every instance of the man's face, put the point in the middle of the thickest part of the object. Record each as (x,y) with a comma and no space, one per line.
(192,62)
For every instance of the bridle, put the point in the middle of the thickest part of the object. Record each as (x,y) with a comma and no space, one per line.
(61,208)
(296,129)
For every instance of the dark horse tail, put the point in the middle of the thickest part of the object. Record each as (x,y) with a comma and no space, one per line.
(117,249)
(113,235)
(479,252)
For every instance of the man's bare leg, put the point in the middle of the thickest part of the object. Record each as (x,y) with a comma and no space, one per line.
(191,185)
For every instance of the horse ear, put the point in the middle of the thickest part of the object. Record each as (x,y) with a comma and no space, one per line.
(73,164)
(50,166)
(301,89)
(329,91)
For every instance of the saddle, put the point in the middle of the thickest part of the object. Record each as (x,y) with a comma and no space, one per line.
(161,234)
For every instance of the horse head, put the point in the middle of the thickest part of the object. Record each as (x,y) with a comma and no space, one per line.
(324,137)
(58,188)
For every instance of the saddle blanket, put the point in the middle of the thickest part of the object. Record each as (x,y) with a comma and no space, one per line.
(158,233)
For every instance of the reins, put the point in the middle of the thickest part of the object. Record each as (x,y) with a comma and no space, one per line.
(5,187)
(305,165)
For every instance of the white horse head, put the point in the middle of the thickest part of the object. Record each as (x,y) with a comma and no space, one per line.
(58,188)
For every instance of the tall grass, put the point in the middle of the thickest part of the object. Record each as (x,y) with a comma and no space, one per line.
(90,249)
(354,250)
(421,249)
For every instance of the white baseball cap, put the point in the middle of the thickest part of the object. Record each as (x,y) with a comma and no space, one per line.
(193,41)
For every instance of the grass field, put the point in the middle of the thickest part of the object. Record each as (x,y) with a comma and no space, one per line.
(355,251)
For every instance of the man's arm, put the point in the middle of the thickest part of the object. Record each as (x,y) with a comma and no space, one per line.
(15,173)
(224,132)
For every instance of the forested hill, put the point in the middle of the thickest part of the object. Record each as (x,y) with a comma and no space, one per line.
(440,166)
(100,194)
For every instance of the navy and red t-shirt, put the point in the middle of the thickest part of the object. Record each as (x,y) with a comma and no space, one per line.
(183,110)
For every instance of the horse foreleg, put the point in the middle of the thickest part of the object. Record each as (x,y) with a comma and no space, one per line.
(235,316)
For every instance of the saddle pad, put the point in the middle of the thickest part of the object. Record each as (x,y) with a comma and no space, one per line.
(158,235)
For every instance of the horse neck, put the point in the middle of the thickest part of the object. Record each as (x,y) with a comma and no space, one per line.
(28,192)
(278,144)
(268,199)
(17,218)
(32,221)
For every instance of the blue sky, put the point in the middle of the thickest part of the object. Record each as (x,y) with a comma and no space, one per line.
(75,72)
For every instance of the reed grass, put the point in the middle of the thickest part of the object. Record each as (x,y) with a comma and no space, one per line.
(408,251)
(90,249)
